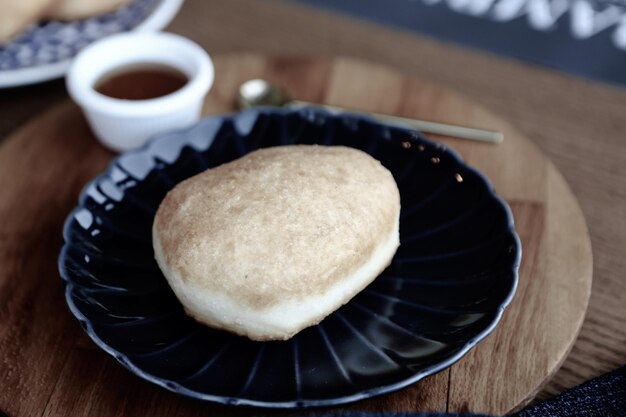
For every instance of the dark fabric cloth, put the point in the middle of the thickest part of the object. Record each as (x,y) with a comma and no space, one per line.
(604,396)
(563,34)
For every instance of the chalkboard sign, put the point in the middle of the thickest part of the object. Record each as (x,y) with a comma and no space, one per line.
(584,37)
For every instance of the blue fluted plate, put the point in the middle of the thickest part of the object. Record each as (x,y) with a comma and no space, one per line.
(445,290)
(45,50)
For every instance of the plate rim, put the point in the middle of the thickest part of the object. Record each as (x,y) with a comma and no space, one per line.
(160,17)
(292,404)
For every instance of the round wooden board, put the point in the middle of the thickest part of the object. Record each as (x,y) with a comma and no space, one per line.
(49,367)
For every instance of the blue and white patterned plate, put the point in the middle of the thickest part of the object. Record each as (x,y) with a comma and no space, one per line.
(45,51)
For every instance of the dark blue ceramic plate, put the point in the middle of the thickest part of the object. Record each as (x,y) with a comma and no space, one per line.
(448,284)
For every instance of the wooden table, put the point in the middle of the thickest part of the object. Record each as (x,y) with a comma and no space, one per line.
(579,124)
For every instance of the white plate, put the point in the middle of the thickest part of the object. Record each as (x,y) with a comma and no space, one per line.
(45,51)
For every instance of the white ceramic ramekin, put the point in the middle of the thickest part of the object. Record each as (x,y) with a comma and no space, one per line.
(127,124)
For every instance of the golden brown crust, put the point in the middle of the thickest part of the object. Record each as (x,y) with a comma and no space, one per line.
(279,224)
(82,9)
(17,15)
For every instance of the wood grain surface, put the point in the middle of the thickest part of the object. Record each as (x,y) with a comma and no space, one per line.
(577,123)
(48,366)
